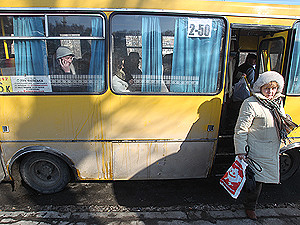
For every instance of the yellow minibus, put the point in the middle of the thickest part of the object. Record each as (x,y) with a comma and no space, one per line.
(134,90)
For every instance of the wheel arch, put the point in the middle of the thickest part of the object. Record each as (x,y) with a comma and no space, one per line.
(34,149)
(291,147)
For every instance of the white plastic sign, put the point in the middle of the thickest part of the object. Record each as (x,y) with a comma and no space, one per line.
(199,27)
(31,84)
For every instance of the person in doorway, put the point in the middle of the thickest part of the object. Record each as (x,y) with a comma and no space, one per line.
(260,129)
(247,70)
(64,57)
(241,89)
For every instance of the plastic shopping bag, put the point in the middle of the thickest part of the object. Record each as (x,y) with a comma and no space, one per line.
(235,177)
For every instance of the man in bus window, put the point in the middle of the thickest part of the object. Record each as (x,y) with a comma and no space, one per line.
(64,57)
(131,67)
(118,80)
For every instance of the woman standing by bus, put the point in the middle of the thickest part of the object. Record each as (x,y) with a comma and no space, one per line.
(261,126)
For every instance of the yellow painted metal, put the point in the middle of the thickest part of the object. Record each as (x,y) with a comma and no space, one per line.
(105,118)
(292,108)
(108,116)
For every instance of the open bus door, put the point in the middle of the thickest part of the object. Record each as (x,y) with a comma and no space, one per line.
(275,54)
(273,45)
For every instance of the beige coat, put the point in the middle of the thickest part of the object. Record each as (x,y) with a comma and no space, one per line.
(255,127)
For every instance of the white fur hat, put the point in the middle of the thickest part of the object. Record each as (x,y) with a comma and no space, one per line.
(266,78)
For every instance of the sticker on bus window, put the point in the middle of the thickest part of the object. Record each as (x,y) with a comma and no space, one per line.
(5,84)
(199,27)
(31,84)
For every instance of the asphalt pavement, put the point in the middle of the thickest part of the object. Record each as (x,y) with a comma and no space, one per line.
(148,202)
(199,214)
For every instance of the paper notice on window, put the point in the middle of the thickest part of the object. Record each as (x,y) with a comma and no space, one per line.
(31,84)
(5,84)
(199,27)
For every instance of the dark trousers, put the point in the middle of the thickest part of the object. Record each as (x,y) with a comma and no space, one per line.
(251,198)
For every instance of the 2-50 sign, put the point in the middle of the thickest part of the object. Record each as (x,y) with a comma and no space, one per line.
(199,27)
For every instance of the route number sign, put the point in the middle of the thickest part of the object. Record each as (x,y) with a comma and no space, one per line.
(199,27)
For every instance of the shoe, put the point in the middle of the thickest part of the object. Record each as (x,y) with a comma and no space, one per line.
(251,214)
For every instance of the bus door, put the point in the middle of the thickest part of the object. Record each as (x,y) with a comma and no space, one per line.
(280,52)
(272,45)
(292,80)
(273,52)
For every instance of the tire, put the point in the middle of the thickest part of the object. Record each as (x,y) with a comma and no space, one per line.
(289,164)
(44,172)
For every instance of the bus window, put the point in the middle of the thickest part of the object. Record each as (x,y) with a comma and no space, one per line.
(53,53)
(293,86)
(271,55)
(166,54)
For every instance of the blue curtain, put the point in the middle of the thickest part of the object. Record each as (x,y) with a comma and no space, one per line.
(151,54)
(196,60)
(30,56)
(97,63)
(294,75)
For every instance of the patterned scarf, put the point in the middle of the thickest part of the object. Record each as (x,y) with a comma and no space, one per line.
(283,123)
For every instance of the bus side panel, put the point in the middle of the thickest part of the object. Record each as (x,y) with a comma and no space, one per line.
(72,125)
(175,135)
(92,160)
(162,160)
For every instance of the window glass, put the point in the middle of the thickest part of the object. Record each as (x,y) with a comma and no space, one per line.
(53,54)
(70,25)
(271,55)
(263,54)
(166,54)
(276,54)
(293,86)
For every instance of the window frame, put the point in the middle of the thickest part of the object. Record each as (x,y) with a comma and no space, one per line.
(268,41)
(288,84)
(45,15)
(221,65)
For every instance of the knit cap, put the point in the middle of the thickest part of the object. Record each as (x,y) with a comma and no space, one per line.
(266,78)
(63,51)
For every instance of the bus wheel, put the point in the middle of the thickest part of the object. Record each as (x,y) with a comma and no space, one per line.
(289,164)
(44,172)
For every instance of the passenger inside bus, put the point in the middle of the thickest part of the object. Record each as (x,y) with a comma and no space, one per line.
(131,66)
(64,61)
(167,69)
(132,69)
(247,70)
(119,83)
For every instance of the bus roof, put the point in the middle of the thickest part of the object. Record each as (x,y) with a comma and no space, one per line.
(257,8)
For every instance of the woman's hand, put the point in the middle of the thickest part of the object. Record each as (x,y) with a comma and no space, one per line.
(242,156)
